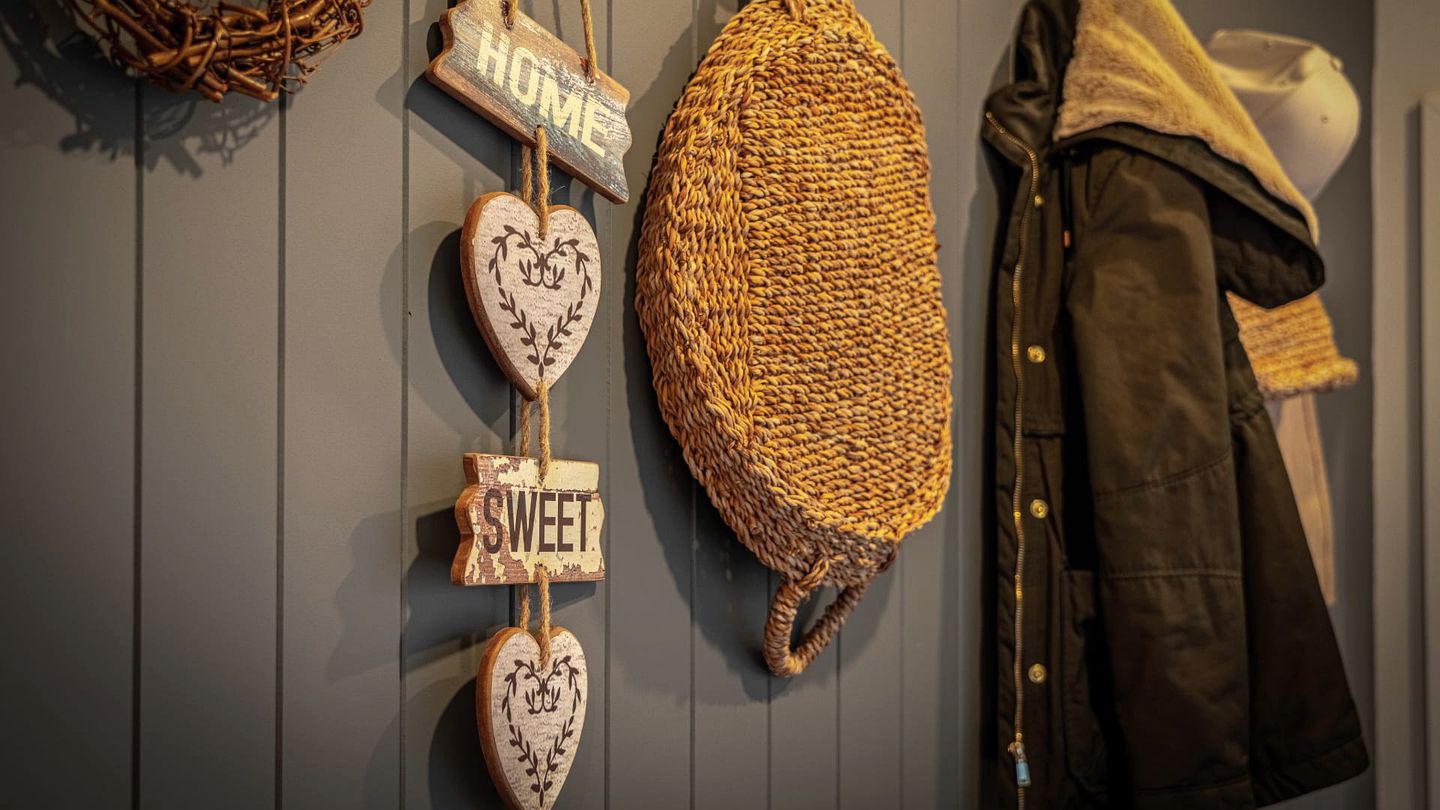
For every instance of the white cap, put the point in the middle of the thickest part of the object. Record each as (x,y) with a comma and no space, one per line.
(1298,97)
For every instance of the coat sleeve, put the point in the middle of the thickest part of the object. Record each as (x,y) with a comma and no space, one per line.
(1142,302)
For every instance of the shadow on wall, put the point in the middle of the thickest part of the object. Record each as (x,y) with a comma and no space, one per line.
(59,59)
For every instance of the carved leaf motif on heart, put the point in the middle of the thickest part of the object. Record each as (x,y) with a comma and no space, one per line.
(531,716)
(534,300)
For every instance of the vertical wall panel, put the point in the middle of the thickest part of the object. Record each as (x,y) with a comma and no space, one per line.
(731,600)
(1406,70)
(209,451)
(650,503)
(456,401)
(67,440)
(343,313)
(986,28)
(805,725)
(932,687)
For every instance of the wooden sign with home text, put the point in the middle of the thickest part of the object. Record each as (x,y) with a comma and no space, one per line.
(519,76)
(510,522)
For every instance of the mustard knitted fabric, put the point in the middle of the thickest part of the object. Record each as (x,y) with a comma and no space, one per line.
(1292,348)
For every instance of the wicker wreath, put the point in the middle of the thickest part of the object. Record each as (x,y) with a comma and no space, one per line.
(226,47)
(788,291)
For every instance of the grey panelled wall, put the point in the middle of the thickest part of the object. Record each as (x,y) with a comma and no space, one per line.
(239,374)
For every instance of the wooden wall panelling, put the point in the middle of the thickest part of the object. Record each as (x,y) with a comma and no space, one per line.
(1429,258)
(67,418)
(804,725)
(456,400)
(578,417)
(209,457)
(985,30)
(343,315)
(932,685)
(731,600)
(650,501)
(871,662)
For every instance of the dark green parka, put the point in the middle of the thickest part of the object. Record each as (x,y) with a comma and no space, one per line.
(1161,637)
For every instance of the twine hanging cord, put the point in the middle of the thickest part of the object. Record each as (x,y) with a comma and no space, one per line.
(542,399)
(542,577)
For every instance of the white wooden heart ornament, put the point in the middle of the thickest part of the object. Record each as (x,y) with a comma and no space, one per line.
(531,716)
(534,299)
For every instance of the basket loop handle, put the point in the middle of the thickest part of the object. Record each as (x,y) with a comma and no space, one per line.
(780,625)
(796,8)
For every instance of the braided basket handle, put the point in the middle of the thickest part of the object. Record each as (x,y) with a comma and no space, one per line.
(796,8)
(783,661)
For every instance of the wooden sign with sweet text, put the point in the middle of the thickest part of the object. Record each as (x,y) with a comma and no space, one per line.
(510,522)
(519,76)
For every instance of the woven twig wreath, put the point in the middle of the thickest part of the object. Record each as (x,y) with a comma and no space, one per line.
(225,47)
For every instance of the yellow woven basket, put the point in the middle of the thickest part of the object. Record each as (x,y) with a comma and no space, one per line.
(788,292)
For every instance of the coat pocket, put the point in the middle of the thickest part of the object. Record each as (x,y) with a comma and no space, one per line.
(1082,661)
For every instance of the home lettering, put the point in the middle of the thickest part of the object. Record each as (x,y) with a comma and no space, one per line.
(529,81)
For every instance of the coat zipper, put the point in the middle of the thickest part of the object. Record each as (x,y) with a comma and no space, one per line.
(1017,747)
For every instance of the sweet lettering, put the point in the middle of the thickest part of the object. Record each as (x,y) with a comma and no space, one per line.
(536,520)
(584,499)
(512,522)
(561,499)
(491,539)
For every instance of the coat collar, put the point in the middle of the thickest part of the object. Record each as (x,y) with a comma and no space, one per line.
(1136,62)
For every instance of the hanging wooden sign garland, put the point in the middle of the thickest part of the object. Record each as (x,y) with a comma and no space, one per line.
(532,276)
(519,76)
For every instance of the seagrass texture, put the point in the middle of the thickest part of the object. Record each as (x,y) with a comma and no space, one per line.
(1292,348)
(788,291)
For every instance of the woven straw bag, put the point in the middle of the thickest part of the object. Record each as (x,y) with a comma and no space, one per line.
(787,288)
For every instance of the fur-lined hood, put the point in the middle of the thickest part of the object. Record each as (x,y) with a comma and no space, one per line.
(1136,62)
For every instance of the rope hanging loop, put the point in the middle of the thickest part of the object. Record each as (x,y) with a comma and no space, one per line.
(507,15)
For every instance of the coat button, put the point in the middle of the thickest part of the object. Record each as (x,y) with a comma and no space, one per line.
(1039,508)
(1039,200)
(1036,353)
(1038,673)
